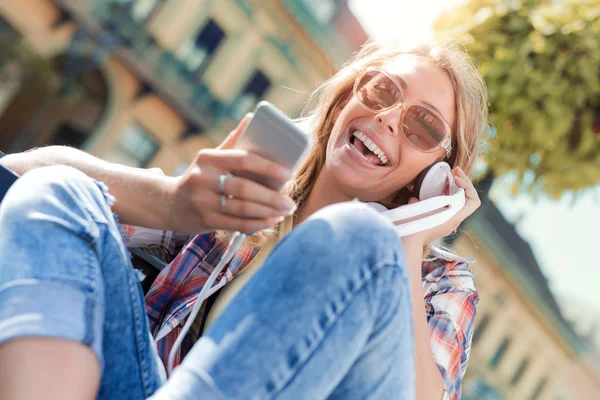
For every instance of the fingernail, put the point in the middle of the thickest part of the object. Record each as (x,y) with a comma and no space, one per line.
(292,210)
(279,219)
(287,203)
(285,174)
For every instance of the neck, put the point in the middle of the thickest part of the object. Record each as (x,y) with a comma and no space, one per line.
(323,194)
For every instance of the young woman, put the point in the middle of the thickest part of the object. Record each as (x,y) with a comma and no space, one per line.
(340,308)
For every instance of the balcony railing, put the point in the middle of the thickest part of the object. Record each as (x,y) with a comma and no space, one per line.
(157,67)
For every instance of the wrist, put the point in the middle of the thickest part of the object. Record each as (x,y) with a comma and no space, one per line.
(168,191)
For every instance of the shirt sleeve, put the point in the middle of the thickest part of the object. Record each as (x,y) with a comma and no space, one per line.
(451,312)
(162,244)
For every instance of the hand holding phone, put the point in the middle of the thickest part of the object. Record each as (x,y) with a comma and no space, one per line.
(273,135)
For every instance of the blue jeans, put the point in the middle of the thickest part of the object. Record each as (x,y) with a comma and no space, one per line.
(327,316)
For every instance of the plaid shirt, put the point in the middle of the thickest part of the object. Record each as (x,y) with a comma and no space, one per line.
(448,289)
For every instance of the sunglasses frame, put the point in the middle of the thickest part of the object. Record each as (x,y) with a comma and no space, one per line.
(445,143)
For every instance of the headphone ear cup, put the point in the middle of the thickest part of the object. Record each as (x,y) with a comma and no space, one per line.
(436,181)
(416,189)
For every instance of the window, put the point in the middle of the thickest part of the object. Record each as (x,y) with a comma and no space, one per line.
(497,357)
(194,53)
(141,9)
(136,147)
(501,299)
(538,389)
(6,29)
(323,10)
(255,90)
(10,72)
(519,372)
(480,327)
(480,389)
(70,135)
(10,82)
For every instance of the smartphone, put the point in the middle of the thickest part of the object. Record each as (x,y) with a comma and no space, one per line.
(273,135)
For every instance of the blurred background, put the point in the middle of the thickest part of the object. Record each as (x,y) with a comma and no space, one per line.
(148,83)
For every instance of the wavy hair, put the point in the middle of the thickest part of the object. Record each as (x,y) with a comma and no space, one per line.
(470,101)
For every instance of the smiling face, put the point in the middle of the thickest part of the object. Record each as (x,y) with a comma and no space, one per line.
(367,156)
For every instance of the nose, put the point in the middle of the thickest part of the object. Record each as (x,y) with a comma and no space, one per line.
(391,119)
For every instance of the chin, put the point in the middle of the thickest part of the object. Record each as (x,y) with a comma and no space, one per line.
(351,183)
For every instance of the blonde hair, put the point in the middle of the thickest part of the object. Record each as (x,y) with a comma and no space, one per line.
(470,102)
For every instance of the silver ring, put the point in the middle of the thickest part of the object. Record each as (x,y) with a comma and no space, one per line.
(221,182)
(223,200)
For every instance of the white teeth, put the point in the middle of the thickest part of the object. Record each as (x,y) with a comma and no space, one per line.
(371,146)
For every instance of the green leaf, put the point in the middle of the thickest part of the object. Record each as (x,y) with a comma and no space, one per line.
(540,61)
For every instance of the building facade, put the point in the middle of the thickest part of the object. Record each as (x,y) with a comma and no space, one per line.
(522,346)
(148,83)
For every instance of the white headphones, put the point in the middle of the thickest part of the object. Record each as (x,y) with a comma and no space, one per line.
(433,208)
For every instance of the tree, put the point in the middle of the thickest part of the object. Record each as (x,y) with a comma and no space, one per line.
(541,63)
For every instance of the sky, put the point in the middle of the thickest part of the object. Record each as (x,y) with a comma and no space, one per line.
(563,234)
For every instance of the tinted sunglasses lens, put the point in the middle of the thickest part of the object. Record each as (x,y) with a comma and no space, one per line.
(376,91)
(423,128)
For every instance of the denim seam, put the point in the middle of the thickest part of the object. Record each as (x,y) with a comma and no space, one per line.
(371,272)
(91,299)
(142,350)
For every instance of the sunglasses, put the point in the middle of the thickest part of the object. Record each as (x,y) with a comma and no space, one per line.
(424,128)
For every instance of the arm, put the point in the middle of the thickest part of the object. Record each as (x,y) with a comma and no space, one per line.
(450,308)
(443,326)
(188,204)
(146,192)
(434,376)
(429,384)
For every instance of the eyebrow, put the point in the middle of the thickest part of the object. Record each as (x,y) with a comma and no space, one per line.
(405,87)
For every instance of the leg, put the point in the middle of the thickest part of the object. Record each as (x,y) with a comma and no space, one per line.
(69,297)
(25,358)
(327,316)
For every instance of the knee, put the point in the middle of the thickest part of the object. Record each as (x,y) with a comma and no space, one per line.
(47,188)
(355,222)
(353,228)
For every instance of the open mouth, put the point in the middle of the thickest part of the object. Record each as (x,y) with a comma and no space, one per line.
(367,148)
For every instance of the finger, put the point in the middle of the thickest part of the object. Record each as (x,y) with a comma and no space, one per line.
(249,209)
(244,161)
(469,188)
(459,173)
(462,175)
(244,225)
(412,200)
(234,135)
(471,204)
(249,190)
(472,198)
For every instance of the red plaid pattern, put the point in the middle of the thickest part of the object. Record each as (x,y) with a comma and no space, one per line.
(448,289)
